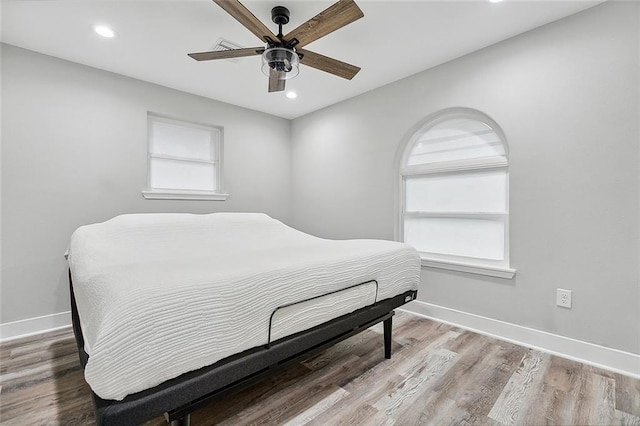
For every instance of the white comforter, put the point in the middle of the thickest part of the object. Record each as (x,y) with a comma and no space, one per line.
(162,294)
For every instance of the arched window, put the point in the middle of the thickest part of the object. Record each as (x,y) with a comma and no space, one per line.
(454,202)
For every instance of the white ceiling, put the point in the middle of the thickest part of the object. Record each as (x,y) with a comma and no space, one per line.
(394,39)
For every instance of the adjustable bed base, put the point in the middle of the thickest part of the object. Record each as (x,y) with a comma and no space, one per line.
(178,397)
(171,310)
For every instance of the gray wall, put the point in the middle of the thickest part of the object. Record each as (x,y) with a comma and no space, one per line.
(566,96)
(74,151)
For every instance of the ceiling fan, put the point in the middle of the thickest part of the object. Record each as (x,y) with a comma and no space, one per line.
(283,53)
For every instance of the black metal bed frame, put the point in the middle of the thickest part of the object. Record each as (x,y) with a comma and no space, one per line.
(180,396)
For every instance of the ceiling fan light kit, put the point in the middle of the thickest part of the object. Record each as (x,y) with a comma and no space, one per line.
(280,59)
(283,54)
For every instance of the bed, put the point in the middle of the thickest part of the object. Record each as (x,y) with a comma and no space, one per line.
(172,310)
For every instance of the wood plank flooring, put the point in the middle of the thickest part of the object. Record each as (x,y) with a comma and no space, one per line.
(438,375)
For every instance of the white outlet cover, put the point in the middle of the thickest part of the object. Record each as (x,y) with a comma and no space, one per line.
(563,298)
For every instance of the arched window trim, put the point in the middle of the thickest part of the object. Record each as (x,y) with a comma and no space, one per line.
(500,268)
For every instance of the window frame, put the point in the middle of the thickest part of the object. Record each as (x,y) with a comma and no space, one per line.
(217,141)
(497,268)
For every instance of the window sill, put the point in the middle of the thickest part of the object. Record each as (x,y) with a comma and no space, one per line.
(178,194)
(492,271)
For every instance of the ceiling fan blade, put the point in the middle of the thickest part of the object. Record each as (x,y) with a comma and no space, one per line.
(246,18)
(334,17)
(227,54)
(276,81)
(326,64)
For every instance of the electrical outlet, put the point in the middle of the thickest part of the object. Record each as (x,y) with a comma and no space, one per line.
(563,298)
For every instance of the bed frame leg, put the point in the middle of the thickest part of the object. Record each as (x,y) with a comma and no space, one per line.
(387,325)
(183,421)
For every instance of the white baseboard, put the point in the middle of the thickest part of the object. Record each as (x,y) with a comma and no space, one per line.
(588,353)
(31,326)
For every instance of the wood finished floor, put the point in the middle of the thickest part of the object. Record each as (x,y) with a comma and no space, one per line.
(438,375)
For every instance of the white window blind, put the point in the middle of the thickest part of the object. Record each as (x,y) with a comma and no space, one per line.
(468,237)
(455,186)
(455,139)
(169,173)
(184,158)
(458,192)
(183,142)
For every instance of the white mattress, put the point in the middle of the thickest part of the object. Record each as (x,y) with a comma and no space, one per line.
(162,294)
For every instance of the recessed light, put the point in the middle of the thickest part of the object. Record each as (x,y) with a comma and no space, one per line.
(292,95)
(495,1)
(104,31)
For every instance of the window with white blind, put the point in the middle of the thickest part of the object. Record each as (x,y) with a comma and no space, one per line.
(184,161)
(455,193)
